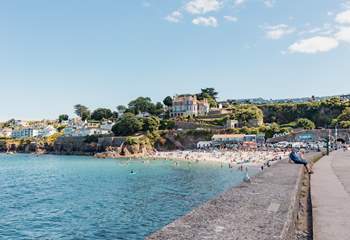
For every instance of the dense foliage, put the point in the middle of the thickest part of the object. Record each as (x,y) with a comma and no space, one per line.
(63,117)
(247,115)
(151,124)
(128,124)
(305,124)
(101,113)
(321,113)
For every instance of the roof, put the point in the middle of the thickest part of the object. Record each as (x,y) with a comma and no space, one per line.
(228,136)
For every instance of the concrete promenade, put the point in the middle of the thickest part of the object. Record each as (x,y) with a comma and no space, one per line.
(330,192)
(266,209)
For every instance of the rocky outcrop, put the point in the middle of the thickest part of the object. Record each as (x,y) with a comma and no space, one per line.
(25,147)
(127,150)
(175,140)
(75,146)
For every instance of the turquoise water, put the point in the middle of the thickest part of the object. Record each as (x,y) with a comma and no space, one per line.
(71,197)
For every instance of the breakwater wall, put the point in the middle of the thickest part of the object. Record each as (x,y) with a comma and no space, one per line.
(265,209)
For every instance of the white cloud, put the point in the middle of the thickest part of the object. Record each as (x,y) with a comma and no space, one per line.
(202,6)
(231,18)
(278,31)
(343,17)
(206,21)
(343,34)
(174,17)
(314,45)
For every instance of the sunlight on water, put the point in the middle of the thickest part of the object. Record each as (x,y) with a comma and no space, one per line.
(71,197)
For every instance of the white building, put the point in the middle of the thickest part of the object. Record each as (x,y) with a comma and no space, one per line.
(107,126)
(78,128)
(25,133)
(204,144)
(189,105)
(47,131)
(85,131)
(5,132)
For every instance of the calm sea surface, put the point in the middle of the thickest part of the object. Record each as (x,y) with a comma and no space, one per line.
(71,197)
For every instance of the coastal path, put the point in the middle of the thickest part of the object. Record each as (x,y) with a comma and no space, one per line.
(330,192)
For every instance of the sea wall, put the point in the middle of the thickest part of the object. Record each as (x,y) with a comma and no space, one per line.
(265,209)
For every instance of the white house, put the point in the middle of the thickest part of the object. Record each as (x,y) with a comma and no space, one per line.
(47,131)
(5,132)
(85,131)
(107,126)
(25,133)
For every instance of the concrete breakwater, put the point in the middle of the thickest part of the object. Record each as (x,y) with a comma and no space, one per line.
(265,209)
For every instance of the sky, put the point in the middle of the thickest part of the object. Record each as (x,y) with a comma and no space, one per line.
(103,53)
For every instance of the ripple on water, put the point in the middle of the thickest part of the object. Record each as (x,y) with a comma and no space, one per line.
(69,197)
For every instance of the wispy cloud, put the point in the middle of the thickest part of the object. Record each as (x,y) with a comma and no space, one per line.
(203,6)
(205,21)
(174,17)
(231,18)
(314,45)
(278,31)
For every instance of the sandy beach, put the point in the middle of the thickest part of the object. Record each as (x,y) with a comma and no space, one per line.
(223,156)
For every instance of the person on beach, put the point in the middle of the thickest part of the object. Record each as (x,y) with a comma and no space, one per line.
(297,158)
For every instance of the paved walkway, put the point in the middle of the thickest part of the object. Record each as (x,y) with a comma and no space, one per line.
(262,210)
(330,192)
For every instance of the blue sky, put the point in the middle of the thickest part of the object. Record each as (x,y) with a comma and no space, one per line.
(102,53)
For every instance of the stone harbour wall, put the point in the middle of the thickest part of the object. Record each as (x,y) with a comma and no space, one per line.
(264,209)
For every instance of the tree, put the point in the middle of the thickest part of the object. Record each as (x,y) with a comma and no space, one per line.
(101,113)
(82,111)
(344,124)
(345,115)
(248,115)
(151,124)
(63,117)
(141,105)
(127,124)
(210,94)
(168,101)
(159,109)
(167,124)
(121,109)
(305,124)
(115,115)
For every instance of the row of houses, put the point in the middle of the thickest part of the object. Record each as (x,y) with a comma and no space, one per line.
(27,132)
(77,128)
